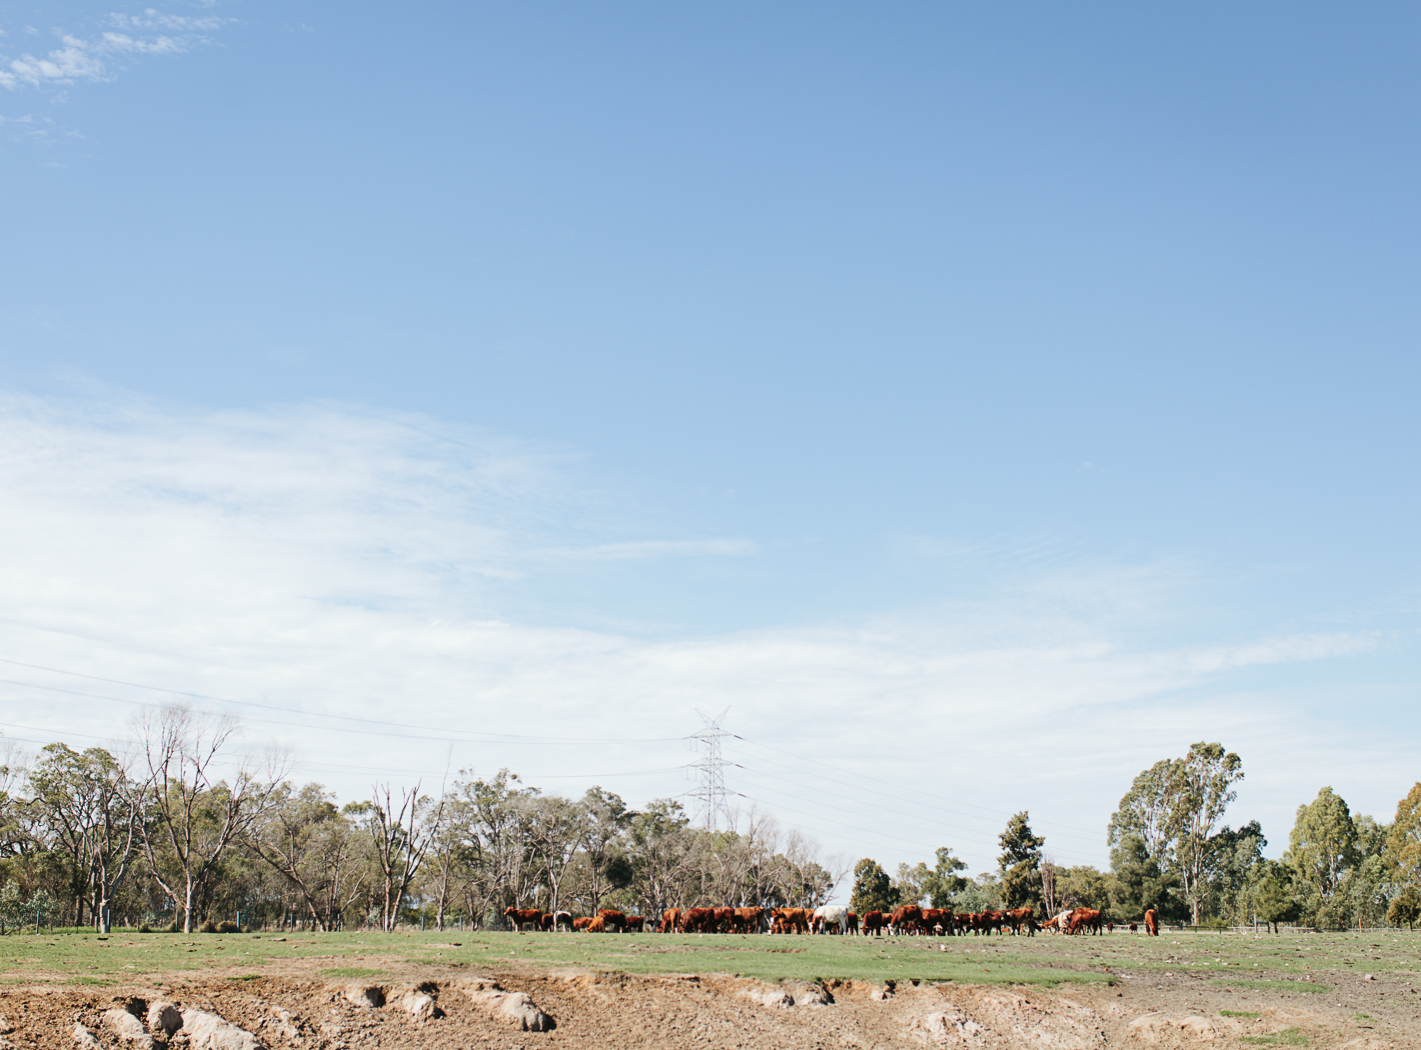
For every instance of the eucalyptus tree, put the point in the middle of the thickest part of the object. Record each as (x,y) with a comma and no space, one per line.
(190,818)
(401,836)
(92,810)
(1020,863)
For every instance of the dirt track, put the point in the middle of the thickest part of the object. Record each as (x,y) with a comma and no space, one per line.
(610,1011)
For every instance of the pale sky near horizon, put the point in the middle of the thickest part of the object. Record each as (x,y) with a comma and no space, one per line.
(981,403)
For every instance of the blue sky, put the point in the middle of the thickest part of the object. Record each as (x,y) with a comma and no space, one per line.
(1037,373)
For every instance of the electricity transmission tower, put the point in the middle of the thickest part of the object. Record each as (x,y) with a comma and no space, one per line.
(712,794)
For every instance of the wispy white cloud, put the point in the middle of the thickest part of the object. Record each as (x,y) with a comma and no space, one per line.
(339,562)
(90,59)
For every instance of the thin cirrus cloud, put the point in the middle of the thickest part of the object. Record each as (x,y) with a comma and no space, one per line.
(97,57)
(376,593)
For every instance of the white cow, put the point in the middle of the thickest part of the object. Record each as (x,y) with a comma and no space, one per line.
(831,913)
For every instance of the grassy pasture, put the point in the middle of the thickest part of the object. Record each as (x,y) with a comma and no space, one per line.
(1299,963)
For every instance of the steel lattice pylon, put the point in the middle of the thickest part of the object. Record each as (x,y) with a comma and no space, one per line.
(712,795)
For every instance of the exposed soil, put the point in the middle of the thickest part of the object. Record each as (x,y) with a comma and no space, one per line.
(299,1007)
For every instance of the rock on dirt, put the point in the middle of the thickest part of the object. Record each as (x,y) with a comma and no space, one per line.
(84,1038)
(515,1007)
(371,996)
(163,1018)
(1159,1027)
(128,1028)
(207,1031)
(950,1027)
(421,1006)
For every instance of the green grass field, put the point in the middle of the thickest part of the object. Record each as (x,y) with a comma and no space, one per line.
(1295,963)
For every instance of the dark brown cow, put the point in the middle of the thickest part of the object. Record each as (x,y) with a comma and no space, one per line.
(670,921)
(853,926)
(749,920)
(1083,919)
(908,918)
(873,922)
(546,922)
(724,919)
(1022,918)
(614,920)
(791,920)
(520,917)
(698,920)
(635,922)
(1152,923)
(937,920)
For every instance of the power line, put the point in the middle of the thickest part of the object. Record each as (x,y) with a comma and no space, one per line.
(956,802)
(486,737)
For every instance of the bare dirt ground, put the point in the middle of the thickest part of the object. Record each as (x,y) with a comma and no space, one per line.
(461,1008)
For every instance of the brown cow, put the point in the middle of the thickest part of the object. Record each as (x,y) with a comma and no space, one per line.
(698,920)
(581,924)
(794,920)
(937,920)
(670,921)
(749,920)
(635,922)
(615,921)
(853,924)
(909,917)
(1085,919)
(597,925)
(1152,923)
(518,918)
(724,919)
(873,923)
(1018,918)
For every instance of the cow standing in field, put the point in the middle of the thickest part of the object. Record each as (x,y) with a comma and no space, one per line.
(1083,919)
(1152,923)
(615,921)
(873,923)
(670,921)
(1022,918)
(853,924)
(792,920)
(698,920)
(749,920)
(908,918)
(635,923)
(831,915)
(580,925)
(520,917)
(938,921)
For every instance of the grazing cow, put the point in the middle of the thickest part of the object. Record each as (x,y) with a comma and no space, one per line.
(908,918)
(873,923)
(831,915)
(1083,919)
(938,921)
(562,920)
(1134,926)
(670,921)
(1152,923)
(1019,918)
(614,920)
(749,920)
(1061,922)
(789,920)
(698,920)
(597,925)
(853,924)
(581,924)
(635,922)
(724,920)
(518,918)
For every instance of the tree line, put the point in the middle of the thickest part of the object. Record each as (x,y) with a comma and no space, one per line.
(1171,851)
(89,839)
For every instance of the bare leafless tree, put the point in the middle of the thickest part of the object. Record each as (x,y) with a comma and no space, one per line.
(190,813)
(401,838)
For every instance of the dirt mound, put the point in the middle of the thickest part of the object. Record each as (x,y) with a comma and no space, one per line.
(528,1008)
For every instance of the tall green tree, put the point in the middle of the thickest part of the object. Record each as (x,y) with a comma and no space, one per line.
(1403,843)
(1273,899)
(873,889)
(942,884)
(89,804)
(1020,863)
(1323,844)
(1203,788)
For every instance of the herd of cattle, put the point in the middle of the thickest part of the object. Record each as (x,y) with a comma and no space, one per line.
(908,920)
